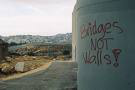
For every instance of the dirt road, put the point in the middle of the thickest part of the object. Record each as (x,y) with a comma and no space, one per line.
(61,75)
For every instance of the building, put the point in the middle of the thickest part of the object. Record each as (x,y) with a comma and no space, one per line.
(3,49)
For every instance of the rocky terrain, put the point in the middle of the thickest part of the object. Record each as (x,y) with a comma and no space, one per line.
(14,65)
(31,52)
(21,64)
(40,49)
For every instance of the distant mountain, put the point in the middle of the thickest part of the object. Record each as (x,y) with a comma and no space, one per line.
(59,38)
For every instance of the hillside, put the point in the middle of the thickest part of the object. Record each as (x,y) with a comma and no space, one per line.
(59,38)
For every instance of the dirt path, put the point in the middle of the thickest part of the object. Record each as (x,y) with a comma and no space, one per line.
(60,75)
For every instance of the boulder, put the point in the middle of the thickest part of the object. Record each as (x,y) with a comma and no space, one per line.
(19,67)
(6,68)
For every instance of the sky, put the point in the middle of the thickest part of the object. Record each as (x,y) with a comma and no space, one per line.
(35,17)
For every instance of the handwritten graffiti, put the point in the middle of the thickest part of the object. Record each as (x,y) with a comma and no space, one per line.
(100,37)
(93,29)
(99,58)
(116,53)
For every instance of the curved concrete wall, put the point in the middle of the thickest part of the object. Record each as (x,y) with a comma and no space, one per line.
(103,34)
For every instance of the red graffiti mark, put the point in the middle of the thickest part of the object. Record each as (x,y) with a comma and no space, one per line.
(116,53)
(93,28)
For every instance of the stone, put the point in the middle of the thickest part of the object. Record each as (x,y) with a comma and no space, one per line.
(54,59)
(8,59)
(34,58)
(6,68)
(19,67)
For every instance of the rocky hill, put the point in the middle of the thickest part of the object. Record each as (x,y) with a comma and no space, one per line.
(59,38)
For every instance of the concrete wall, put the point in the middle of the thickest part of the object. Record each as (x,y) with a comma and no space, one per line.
(74,29)
(105,44)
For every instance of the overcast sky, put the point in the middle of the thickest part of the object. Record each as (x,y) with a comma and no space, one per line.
(35,17)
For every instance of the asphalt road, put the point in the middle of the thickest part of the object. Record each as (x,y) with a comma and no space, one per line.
(59,76)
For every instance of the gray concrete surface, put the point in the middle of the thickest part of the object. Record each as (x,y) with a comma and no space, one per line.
(59,76)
